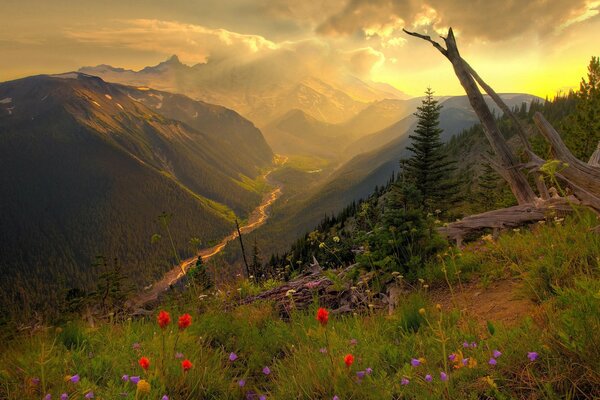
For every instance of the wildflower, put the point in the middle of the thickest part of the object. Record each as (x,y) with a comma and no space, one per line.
(323,350)
(74,378)
(353,342)
(144,363)
(165,397)
(532,355)
(184,321)
(438,307)
(443,376)
(415,362)
(35,381)
(262,397)
(179,356)
(48,397)
(136,346)
(404,381)
(232,357)
(186,365)
(134,379)
(466,345)
(143,386)
(321,245)
(242,383)
(452,357)
(473,345)
(465,361)
(89,395)
(336,239)
(360,375)
(125,378)
(336,398)
(497,354)
(428,378)
(348,360)
(64,396)
(163,319)
(492,361)
(422,311)
(322,316)
(290,292)
(369,370)
(266,370)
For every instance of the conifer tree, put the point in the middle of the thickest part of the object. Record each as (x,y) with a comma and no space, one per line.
(582,129)
(427,168)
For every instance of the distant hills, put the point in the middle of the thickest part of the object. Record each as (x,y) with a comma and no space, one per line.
(87,167)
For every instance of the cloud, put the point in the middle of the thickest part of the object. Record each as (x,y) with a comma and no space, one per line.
(363,61)
(193,43)
(493,20)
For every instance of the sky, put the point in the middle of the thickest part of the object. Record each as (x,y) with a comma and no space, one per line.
(540,47)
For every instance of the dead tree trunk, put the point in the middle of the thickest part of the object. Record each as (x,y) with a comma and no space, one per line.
(508,162)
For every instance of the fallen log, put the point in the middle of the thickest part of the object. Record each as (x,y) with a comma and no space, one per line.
(511,217)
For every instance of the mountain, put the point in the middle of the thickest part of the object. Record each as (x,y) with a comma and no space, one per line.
(262,90)
(87,166)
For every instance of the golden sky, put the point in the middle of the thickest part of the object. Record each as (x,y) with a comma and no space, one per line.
(538,46)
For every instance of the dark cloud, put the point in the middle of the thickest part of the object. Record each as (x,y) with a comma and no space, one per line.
(483,19)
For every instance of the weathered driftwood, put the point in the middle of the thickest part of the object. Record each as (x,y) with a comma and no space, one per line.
(595,158)
(511,217)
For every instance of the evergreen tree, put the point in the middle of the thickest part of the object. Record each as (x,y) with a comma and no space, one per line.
(581,131)
(256,262)
(427,168)
(199,274)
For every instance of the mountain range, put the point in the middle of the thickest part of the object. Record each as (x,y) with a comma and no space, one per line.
(88,166)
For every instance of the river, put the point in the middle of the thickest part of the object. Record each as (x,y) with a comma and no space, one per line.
(257,218)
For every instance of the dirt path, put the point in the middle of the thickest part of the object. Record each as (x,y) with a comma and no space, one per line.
(501,301)
(257,218)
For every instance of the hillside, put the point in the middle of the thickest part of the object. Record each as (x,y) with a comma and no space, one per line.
(87,167)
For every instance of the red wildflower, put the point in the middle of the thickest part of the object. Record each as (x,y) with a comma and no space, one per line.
(322,316)
(163,319)
(186,365)
(349,360)
(184,321)
(144,363)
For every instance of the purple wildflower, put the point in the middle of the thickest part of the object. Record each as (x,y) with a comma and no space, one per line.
(179,356)
(532,355)
(134,379)
(369,370)
(336,398)
(125,378)
(428,378)
(35,381)
(452,357)
(64,396)
(136,346)
(492,361)
(415,362)
(266,371)
(165,397)
(232,356)
(74,378)
(323,350)
(443,376)
(353,342)
(465,361)
(360,374)
(262,397)
(497,354)
(404,381)
(48,397)
(473,345)
(465,344)
(89,395)
(242,383)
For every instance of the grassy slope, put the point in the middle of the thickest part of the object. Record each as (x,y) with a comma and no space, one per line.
(555,266)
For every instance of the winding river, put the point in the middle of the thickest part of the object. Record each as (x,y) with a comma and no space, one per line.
(257,218)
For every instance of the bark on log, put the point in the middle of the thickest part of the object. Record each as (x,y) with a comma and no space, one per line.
(516,179)
(595,158)
(511,217)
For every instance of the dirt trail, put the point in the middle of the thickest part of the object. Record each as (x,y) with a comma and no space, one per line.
(257,218)
(501,301)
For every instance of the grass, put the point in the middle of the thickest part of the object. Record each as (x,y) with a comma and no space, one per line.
(557,264)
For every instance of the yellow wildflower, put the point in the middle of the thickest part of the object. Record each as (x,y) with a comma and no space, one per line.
(143,386)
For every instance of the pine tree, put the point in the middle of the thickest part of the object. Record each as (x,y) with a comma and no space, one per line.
(256,262)
(427,168)
(487,187)
(581,131)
